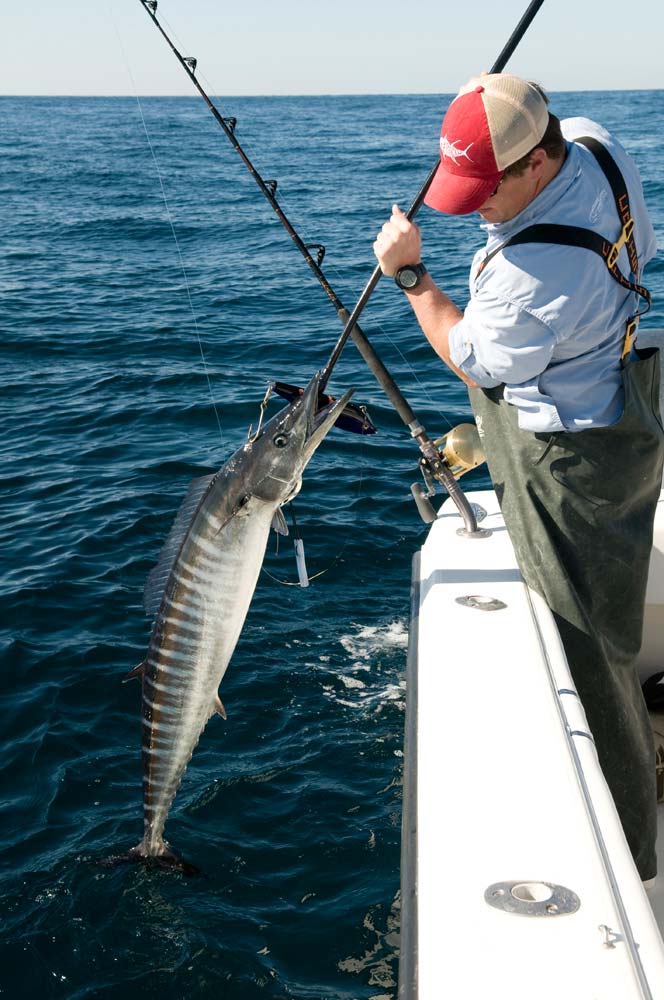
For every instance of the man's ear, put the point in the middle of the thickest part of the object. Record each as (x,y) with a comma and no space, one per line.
(537,161)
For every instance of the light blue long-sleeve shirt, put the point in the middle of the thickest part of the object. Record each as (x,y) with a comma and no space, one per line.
(547,320)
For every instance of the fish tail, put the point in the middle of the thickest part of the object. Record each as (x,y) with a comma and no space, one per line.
(162,857)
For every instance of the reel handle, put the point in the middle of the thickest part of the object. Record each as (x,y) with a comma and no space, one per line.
(424,506)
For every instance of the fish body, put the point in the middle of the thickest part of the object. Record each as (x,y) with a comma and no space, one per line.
(207,594)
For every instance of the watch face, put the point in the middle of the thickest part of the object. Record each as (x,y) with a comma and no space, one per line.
(408,278)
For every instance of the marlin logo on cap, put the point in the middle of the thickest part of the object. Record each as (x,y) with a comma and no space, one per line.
(449,149)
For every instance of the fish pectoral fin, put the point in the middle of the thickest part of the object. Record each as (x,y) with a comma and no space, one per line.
(279,522)
(135,674)
(218,708)
(238,511)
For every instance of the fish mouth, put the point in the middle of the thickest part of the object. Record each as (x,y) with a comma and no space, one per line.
(320,421)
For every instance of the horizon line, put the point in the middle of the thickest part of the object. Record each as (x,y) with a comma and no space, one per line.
(372,93)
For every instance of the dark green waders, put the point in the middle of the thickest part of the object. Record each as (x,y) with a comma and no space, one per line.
(579,509)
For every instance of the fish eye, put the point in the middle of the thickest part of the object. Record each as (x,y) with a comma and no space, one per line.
(280,440)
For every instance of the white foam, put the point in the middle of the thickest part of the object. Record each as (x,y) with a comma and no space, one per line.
(371,639)
(365,648)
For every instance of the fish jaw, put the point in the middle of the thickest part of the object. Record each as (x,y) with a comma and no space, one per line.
(323,420)
(312,423)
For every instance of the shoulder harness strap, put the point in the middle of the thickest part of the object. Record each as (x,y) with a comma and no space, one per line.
(589,240)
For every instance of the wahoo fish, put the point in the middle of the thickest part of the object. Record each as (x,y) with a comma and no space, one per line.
(200,592)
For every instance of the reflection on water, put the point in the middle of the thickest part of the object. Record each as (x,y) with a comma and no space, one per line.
(379,962)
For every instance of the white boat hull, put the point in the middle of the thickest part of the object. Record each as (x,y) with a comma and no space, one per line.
(502,785)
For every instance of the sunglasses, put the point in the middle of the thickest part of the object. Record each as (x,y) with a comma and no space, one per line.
(497,187)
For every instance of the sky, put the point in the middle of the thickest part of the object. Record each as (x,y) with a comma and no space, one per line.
(107,47)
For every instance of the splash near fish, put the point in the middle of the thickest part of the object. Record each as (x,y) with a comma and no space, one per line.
(200,591)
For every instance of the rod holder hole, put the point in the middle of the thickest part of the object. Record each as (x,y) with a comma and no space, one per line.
(532,892)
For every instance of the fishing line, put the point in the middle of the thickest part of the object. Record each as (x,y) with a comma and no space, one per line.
(263,404)
(337,558)
(314,576)
(268,188)
(170,222)
(211,87)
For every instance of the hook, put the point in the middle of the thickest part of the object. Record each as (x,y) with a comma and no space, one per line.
(250,436)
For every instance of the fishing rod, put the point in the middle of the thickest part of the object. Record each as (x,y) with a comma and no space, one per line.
(434,463)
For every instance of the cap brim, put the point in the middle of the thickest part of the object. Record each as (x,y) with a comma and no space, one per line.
(457,195)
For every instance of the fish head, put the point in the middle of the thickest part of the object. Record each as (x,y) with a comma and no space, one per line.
(289,440)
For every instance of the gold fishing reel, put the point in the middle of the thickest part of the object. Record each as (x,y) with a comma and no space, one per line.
(462,449)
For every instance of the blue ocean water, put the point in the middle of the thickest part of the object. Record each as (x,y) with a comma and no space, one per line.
(148,295)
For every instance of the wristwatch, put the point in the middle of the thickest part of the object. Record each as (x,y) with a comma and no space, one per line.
(409,276)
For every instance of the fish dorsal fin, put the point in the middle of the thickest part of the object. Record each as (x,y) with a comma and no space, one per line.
(279,522)
(156,581)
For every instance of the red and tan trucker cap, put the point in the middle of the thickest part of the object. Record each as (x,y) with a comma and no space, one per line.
(492,122)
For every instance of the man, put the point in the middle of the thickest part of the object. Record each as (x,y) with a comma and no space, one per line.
(566,406)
